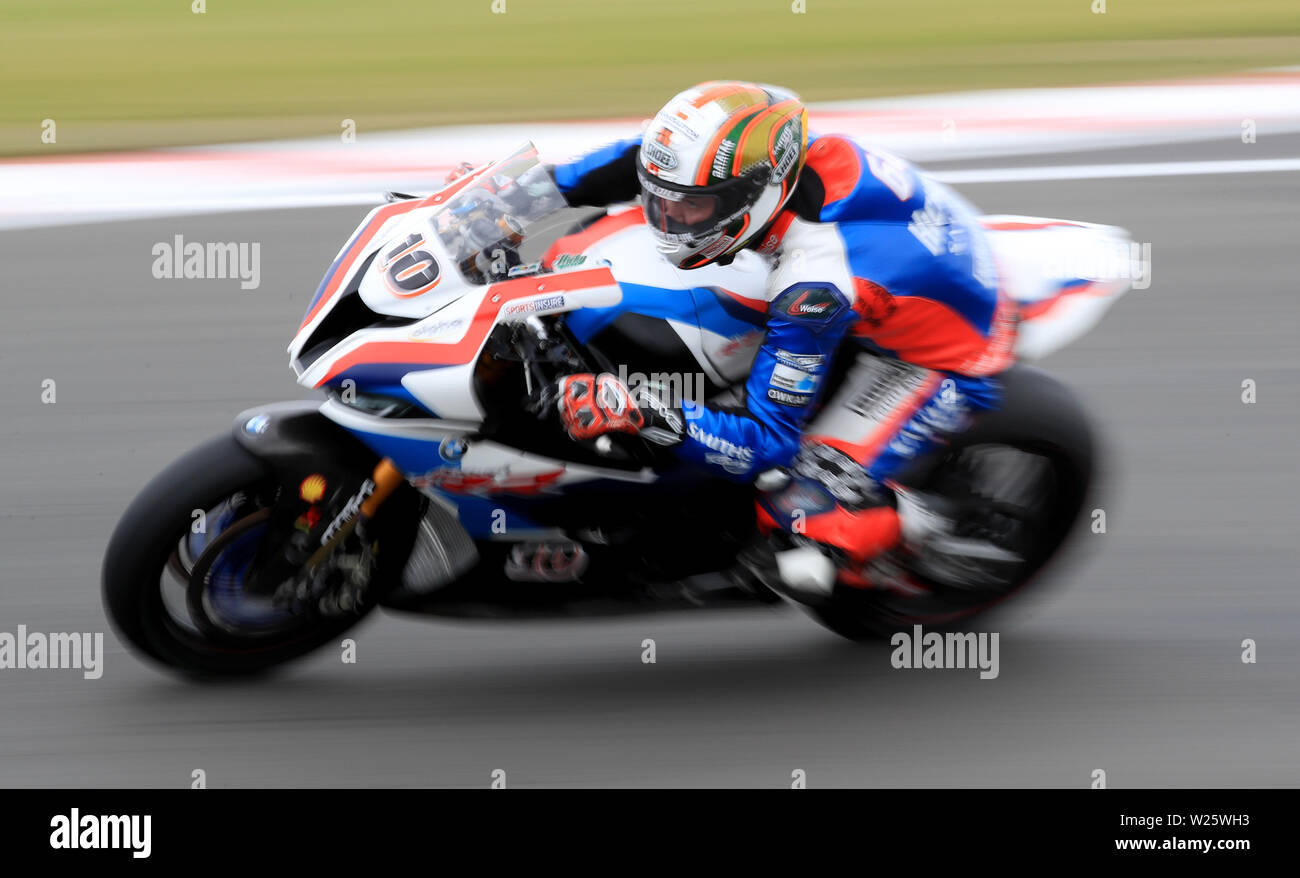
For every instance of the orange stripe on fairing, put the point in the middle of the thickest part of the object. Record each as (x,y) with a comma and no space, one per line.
(836,163)
(759,305)
(1033,310)
(448,191)
(367,234)
(421,353)
(929,334)
(1018,226)
(358,247)
(867,449)
(593,234)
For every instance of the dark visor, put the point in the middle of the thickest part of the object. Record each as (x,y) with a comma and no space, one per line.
(695,212)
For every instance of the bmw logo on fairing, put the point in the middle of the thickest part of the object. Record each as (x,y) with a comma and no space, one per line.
(257,425)
(452,448)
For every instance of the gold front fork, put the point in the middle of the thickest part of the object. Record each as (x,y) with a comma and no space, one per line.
(387,478)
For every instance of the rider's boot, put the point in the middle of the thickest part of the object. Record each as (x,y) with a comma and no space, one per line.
(823,534)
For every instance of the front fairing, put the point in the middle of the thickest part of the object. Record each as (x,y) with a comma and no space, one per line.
(411,259)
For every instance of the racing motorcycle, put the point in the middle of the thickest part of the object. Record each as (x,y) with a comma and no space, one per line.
(434,476)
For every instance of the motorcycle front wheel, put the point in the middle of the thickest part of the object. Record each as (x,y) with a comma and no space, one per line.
(176,592)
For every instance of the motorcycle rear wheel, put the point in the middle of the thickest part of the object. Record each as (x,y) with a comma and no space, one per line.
(1040,418)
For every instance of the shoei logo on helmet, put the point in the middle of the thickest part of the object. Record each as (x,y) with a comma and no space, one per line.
(786,150)
(658,154)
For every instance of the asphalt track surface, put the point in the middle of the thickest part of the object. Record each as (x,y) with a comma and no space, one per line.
(1130,662)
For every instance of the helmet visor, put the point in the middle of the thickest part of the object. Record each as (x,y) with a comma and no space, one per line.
(692,213)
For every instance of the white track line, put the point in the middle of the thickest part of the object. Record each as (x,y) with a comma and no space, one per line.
(111,212)
(1135,169)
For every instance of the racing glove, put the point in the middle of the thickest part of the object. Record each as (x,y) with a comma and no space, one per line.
(591,405)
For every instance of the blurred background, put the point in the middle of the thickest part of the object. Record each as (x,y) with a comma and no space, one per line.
(136,73)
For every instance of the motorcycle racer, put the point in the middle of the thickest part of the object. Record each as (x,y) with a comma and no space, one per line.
(864,246)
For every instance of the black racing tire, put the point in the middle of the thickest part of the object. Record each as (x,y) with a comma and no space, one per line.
(1040,415)
(144,542)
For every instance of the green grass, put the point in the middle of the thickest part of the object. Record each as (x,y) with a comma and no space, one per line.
(131,73)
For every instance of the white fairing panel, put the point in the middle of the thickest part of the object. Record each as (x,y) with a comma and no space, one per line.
(724,359)
(448,390)
(381,297)
(732,356)
(1065,275)
(633,258)
(374,293)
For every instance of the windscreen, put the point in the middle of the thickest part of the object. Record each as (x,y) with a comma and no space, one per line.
(483,224)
